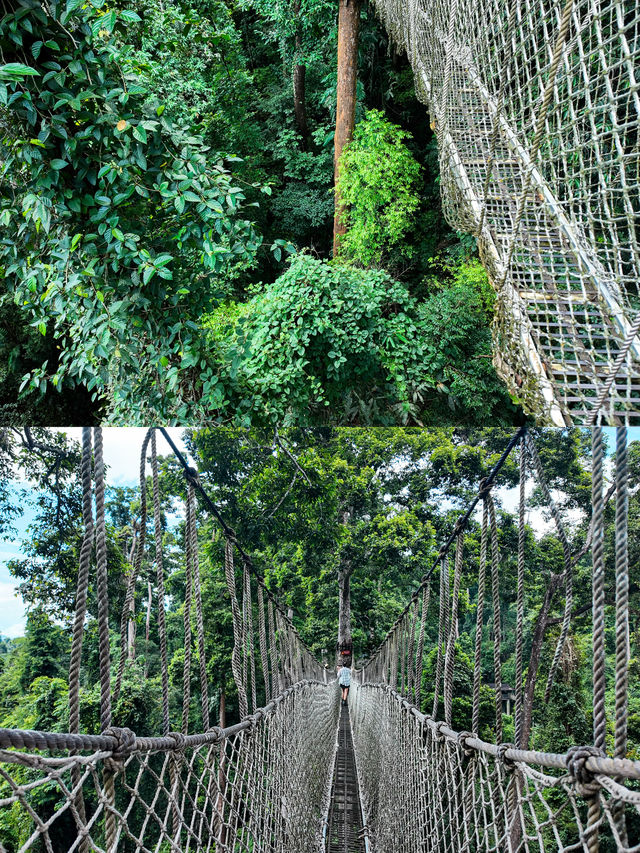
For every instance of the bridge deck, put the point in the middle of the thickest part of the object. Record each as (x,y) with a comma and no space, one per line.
(345,833)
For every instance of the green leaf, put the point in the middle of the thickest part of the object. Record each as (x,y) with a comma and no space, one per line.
(17,71)
(192,196)
(160,110)
(140,133)
(129,16)
(58,164)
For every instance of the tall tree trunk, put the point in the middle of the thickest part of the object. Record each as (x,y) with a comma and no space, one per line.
(348,26)
(299,84)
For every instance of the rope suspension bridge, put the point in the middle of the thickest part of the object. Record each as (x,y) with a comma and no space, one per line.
(302,772)
(536,109)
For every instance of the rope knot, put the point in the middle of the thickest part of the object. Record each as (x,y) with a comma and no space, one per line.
(577,758)
(462,743)
(125,745)
(191,476)
(217,731)
(230,536)
(179,739)
(438,733)
(484,488)
(509,764)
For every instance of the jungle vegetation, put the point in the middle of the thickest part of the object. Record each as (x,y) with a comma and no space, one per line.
(168,245)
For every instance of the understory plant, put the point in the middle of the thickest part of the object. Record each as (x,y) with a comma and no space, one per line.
(331,341)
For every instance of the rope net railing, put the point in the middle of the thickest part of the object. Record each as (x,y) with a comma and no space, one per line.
(536,108)
(261,784)
(428,786)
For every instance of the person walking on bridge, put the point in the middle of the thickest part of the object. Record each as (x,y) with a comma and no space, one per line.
(344,680)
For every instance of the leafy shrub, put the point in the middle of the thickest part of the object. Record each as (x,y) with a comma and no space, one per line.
(377,185)
(118,228)
(354,344)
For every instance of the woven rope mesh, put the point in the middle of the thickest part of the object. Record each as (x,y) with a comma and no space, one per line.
(536,108)
(262,788)
(409,767)
(264,783)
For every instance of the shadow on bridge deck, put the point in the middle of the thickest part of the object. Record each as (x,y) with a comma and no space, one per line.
(345,830)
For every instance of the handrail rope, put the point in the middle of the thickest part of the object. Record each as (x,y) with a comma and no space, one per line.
(111,742)
(623,767)
(229,532)
(461,523)
(162,627)
(204,689)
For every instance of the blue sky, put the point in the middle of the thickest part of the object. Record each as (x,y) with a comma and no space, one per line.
(122,455)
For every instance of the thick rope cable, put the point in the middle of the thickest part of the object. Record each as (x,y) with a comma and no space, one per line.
(262,635)
(622,615)
(477,668)
(102,584)
(162,623)
(444,574)
(411,665)
(276,683)
(83,583)
(497,629)
(249,632)
(451,644)
(622,594)
(108,776)
(598,579)
(204,687)
(568,565)
(135,569)
(189,535)
(426,594)
(82,589)
(520,595)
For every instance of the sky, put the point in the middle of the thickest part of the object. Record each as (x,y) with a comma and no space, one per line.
(122,456)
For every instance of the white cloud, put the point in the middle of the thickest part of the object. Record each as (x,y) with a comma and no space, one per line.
(122,450)
(12,612)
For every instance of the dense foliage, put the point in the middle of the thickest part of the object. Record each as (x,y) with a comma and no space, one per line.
(377,184)
(155,164)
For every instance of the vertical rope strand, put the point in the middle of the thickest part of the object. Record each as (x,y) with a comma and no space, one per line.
(598,578)
(426,593)
(262,634)
(477,663)
(135,569)
(188,589)
(453,627)
(162,622)
(622,594)
(102,585)
(520,595)
(441,629)
(249,629)
(204,687)
(79,616)
(497,632)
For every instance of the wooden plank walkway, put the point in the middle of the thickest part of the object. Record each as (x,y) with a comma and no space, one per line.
(345,833)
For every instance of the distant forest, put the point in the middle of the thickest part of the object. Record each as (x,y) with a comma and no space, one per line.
(306,504)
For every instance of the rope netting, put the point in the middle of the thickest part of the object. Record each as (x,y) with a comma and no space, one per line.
(427,786)
(536,108)
(261,784)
